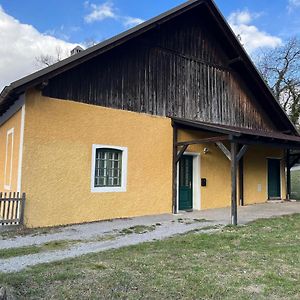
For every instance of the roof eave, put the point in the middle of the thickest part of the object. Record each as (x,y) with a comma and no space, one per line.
(33,79)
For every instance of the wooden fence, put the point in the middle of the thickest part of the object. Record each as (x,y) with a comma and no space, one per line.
(12,206)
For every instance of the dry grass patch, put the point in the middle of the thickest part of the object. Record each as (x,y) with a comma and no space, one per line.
(244,262)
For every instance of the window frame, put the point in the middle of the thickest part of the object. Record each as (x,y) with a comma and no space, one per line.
(9,160)
(108,189)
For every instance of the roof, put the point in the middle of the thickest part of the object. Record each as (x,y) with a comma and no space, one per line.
(239,132)
(9,93)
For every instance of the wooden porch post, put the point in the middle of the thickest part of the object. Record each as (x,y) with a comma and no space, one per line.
(233,183)
(241,181)
(288,175)
(174,170)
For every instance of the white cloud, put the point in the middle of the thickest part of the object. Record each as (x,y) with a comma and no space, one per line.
(107,10)
(240,17)
(20,44)
(251,37)
(292,4)
(130,21)
(100,12)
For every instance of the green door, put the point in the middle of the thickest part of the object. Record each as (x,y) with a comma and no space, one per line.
(274,179)
(186,183)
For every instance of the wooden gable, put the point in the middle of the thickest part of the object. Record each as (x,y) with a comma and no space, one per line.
(180,69)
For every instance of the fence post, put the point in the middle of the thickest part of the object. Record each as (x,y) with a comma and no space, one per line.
(22,209)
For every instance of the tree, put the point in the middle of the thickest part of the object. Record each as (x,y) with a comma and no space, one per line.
(46,60)
(280,68)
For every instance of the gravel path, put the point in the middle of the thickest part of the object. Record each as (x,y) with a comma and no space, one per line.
(90,231)
(101,236)
(163,231)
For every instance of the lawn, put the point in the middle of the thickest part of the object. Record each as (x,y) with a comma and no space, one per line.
(295,184)
(257,261)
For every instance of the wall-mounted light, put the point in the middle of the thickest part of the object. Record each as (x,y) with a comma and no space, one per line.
(205,150)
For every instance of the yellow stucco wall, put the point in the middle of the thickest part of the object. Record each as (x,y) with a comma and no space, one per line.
(58,141)
(215,167)
(13,149)
(56,173)
(255,169)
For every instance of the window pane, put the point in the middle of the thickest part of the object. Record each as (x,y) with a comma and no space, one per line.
(108,167)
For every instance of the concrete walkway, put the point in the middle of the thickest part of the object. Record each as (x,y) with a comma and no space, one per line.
(101,236)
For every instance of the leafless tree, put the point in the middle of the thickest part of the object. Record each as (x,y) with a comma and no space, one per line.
(46,60)
(280,68)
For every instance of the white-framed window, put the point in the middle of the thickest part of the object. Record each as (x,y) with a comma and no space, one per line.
(9,151)
(109,168)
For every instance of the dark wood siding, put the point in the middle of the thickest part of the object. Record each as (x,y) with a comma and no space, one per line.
(177,70)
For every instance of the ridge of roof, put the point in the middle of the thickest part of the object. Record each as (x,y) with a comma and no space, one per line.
(118,38)
(19,86)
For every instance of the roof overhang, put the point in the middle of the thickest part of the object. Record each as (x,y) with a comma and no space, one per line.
(10,92)
(242,135)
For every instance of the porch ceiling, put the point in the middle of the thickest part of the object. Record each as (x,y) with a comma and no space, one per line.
(243,135)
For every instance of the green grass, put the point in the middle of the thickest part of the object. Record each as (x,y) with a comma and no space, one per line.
(295,184)
(138,229)
(18,231)
(49,246)
(257,261)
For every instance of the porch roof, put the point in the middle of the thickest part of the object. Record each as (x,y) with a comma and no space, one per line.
(243,135)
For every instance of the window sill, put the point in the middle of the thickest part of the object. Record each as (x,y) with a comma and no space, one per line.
(108,189)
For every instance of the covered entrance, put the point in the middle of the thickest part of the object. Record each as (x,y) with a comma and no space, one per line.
(233,142)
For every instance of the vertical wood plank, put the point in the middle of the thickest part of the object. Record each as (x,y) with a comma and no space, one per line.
(288,175)
(22,209)
(241,181)
(233,183)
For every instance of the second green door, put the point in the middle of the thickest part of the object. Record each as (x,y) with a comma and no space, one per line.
(274,190)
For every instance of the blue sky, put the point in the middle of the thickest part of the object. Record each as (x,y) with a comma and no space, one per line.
(32,27)
(65,18)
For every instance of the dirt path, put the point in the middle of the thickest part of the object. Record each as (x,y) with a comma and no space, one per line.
(101,236)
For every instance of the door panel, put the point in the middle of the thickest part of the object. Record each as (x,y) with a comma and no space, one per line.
(274,189)
(186,183)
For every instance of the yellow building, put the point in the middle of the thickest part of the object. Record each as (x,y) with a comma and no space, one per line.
(152,121)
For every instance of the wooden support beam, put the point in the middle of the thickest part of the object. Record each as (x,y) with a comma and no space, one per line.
(241,181)
(233,183)
(228,154)
(224,150)
(236,160)
(282,145)
(242,152)
(181,152)
(288,175)
(204,141)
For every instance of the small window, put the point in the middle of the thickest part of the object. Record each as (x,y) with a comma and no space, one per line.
(109,166)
